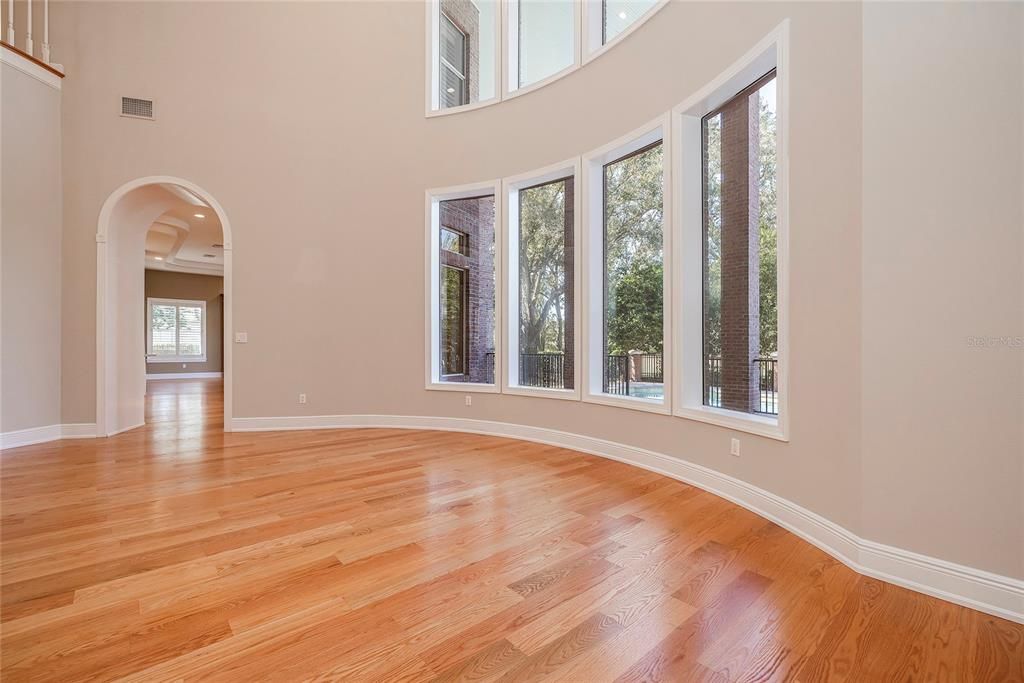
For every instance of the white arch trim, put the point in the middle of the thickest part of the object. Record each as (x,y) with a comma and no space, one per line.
(103,299)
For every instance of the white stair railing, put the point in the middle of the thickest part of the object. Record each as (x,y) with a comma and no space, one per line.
(10,36)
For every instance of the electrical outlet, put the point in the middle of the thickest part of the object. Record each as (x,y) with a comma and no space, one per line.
(469,400)
(241,337)
(734,447)
(302,398)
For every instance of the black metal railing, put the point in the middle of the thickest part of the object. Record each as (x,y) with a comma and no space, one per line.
(713,381)
(649,367)
(544,370)
(488,369)
(767,384)
(616,375)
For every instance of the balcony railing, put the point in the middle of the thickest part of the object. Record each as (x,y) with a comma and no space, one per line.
(767,384)
(28,40)
(544,370)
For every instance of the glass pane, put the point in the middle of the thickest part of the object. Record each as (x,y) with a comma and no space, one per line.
(545,285)
(619,14)
(467,290)
(740,241)
(453,241)
(633,281)
(190,331)
(453,321)
(467,51)
(163,330)
(546,29)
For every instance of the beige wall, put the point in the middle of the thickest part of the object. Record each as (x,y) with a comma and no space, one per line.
(942,265)
(164,284)
(321,163)
(30,242)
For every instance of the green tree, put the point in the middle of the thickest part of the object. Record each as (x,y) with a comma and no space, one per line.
(633,253)
(542,274)
(637,323)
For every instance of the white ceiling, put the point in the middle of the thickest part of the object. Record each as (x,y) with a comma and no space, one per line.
(180,240)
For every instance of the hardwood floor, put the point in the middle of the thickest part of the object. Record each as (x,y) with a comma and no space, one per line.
(178,552)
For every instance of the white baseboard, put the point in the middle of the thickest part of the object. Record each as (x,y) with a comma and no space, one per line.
(34,435)
(1001,596)
(184,375)
(81,430)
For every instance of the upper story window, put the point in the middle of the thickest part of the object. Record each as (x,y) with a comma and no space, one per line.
(464,56)
(454,43)
(618,15)
(454,241)
(482,51)
(176,331)
(542,40)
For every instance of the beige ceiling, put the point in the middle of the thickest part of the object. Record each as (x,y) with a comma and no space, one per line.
(180,240)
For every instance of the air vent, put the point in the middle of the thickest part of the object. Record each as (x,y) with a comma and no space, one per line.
(209,256)
(137,108)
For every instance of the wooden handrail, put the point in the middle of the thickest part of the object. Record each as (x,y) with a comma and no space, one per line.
(32,59)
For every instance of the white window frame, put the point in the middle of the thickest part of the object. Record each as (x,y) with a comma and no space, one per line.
(510,290)
(593,30)
(587,42)
(433,61)
(511,70)
(770,53)
(593,265)
(178,304)
(432,344)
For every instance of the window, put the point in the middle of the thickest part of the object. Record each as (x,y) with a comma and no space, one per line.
(740,322)
(618,15)
(453,64)
(627,330)
(176,331)
(464,57)
(454,241)
(634,315)
(542,282)
(463,276)
(542,40)
(731,178)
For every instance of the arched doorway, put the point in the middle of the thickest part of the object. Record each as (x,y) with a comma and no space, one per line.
(120,338)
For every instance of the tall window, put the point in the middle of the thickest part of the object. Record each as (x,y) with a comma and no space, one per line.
(466,290)
(544,42)
(176,331)
(633,275)
(465,52)
(544,251)
(617,15)
(740,252)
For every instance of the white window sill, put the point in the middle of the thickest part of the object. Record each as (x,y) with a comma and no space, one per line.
(538,392)
(631,403)
(751,423)
(167,359)
(464,387)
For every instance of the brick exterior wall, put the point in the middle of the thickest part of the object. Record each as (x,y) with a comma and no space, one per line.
(475,219)
(465,15)
(570,287)
(740,263)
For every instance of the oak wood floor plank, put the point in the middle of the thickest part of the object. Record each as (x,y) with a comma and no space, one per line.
(179,552)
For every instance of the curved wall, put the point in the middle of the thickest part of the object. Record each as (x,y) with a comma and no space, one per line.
(306,122)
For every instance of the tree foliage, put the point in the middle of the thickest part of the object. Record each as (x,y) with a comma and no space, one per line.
(542,268)
(634,311)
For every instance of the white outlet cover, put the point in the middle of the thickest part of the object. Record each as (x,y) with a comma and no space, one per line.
(241,337)
(734,447)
